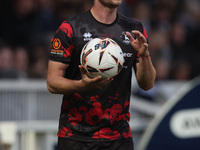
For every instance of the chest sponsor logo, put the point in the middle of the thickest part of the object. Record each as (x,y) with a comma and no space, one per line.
(124,38)
(127,55)
(87,36)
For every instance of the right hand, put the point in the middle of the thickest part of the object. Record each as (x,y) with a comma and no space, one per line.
(92,83)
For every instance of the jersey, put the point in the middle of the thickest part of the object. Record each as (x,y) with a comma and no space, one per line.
(101,113)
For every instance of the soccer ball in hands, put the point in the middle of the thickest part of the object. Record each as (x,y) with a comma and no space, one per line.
(102,57)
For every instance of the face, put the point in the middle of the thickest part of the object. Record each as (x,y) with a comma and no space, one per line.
(111,3)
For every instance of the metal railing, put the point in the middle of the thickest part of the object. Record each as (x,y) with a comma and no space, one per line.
(35,112)
(22,100)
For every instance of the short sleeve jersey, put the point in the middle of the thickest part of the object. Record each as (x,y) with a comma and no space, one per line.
(100,113)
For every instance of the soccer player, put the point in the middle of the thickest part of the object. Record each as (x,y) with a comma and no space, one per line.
(95,111)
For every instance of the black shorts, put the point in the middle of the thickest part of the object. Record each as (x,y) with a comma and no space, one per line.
(69,144)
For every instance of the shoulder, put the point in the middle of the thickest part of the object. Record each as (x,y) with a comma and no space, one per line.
(128,22)
(126,19)
(75,19)
(78,19)
(68,26)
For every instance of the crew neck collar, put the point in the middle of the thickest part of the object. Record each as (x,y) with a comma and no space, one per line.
(104,23)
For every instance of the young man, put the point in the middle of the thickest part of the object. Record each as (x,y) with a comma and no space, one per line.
(95,111)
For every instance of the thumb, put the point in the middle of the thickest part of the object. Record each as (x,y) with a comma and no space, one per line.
(84,75)
(82,70)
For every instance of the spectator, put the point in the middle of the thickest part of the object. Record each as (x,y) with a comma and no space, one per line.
(21,62)
(39,60)
(7,69)
(191,19)
(172,26)
(20,27)
(159,46)
(142,12)
(38,69)
(162,69)
(181,70)
(179,48)
(161,17)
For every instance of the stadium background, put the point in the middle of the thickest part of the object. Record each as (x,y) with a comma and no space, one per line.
(26,27)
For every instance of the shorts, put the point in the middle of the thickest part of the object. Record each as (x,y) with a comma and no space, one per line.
(69,144)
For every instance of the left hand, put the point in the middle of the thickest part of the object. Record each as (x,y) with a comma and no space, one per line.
(139,44)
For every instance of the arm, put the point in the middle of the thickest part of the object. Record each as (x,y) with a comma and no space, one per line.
(61,50)
(145,72)
(57,84)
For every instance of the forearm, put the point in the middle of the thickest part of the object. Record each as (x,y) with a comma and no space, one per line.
(58,84)
(61,85)
(146,73)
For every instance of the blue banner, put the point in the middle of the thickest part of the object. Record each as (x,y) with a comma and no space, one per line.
(177,125)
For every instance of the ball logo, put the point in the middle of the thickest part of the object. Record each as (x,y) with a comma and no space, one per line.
(56,43)
(103,44)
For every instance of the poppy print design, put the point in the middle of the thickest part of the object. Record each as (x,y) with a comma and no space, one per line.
(106,133)
(66,28)
(113,113)
(74,116)
(127,135)
(65,132)
(94,116)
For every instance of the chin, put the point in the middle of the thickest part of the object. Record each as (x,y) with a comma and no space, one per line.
(111,3)
(116,3)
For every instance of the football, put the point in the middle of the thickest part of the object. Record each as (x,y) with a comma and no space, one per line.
(102,57)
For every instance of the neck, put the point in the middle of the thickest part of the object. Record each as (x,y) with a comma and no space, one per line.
(103,14)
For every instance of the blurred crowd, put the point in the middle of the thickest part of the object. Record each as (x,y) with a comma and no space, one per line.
(26,27)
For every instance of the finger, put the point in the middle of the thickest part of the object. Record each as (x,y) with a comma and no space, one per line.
(82,70)
(143,39)
(80,66)
(144,50)
(130,37)
(136,32)
(140,36)
(109,80)
(146,45)
(96,79)
(105,81)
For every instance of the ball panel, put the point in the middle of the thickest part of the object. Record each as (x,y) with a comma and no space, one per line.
(108,70)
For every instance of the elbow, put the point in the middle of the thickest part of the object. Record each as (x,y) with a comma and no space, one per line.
(146,87)
(147,84)
(51,89)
